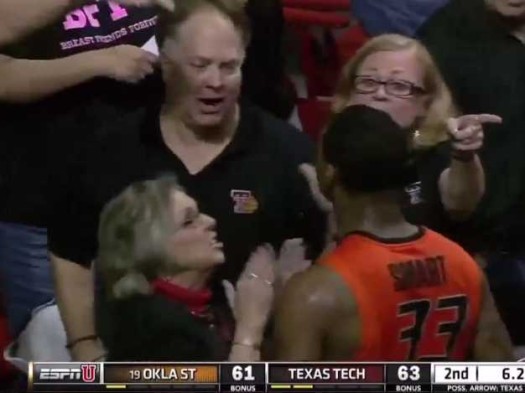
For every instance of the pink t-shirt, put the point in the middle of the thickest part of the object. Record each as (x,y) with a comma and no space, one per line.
(97,25)
(104,24)
(32,133)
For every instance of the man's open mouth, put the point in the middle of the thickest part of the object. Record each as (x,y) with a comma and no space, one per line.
(211,101)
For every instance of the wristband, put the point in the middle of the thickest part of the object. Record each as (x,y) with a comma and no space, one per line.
(91,337)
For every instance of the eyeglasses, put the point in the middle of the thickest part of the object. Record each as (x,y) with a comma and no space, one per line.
(394,87)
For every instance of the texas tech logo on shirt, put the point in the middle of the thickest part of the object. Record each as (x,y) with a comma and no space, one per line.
(413,192)
(244,202)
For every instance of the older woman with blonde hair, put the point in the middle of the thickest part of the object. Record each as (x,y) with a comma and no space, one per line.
(156,253)
(396,74)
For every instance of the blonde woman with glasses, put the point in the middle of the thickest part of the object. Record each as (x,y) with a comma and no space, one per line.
(396,74)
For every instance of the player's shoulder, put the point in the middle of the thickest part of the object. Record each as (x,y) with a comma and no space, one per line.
(317,288)
(452,251)
(437,240)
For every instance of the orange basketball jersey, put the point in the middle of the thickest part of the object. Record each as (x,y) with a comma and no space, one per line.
(417,299)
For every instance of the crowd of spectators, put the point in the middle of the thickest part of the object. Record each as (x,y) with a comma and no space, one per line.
(150,175)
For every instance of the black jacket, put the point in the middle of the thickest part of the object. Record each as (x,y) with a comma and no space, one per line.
(154,328)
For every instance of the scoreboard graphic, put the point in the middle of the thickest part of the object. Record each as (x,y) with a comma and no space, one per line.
(277,377)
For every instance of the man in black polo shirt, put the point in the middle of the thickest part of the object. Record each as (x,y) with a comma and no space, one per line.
(239,163)
(479,46)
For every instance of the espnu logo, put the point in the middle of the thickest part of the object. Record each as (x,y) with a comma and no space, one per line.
(66,373)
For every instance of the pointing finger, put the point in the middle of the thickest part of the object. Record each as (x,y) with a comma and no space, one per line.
(466,120)
(487,118)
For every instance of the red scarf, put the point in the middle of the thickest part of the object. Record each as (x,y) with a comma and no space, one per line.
(197,301)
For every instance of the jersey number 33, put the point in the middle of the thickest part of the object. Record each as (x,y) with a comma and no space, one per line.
(436,325)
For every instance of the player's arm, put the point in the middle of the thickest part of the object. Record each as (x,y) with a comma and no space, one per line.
(492,339)
(308,307)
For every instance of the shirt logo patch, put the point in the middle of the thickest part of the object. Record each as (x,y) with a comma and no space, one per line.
(414,193)
(244,202)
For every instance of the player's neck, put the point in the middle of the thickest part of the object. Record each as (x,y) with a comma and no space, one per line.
(378,214)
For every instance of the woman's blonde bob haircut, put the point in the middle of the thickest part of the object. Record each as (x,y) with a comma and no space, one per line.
(432,128)
(132,237)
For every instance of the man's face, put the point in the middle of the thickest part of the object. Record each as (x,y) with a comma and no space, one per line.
(509,8)
(202,68)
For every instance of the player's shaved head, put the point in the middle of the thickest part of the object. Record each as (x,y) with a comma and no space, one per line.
(369,151)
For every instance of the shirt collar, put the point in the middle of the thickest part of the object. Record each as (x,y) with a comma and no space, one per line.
(244,138)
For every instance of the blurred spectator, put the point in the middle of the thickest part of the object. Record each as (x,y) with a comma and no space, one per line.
(399,17)
(265,82)
(156,278)
(396,74)
(238,162)
(50,80)
(479,46)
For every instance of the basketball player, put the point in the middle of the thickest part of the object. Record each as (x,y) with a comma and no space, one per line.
(390,291)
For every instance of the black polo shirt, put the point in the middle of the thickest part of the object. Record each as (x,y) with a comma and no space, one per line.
(253,188)
(484,67)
